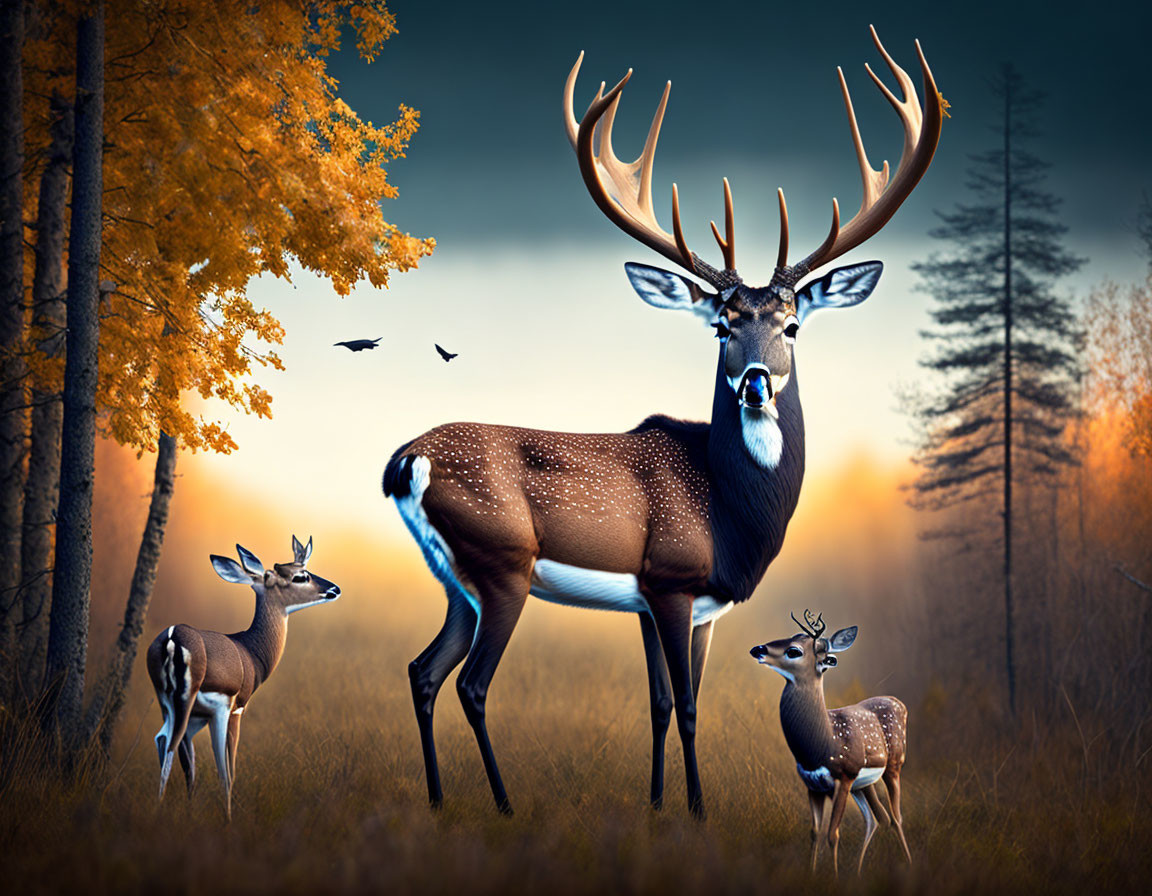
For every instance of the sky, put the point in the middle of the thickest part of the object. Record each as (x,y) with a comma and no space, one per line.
(527,281)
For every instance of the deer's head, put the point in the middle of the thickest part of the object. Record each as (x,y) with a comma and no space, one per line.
(757,326)
(286,587)
(805,656)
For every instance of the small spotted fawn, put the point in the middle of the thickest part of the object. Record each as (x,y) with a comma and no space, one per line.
(207,678)
(839,751)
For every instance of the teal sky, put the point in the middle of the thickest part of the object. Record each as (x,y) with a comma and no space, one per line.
(527,281)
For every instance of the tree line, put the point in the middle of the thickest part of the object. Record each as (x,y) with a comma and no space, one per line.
(155,158)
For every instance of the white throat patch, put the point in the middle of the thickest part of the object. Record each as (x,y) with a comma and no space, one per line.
(762,437)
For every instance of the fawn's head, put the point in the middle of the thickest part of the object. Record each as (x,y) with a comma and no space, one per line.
(805,656)
(287,587)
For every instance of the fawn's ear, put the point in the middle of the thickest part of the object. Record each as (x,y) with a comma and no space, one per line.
(230,571)
(843,639)
(301,552)
(249,561)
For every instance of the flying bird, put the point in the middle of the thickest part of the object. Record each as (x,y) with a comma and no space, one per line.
(447,356)
(358,345)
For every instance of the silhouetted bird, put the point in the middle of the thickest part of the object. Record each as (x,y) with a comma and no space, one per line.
(358,345)
(447,356)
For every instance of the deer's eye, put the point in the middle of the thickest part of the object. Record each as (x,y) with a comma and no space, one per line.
(793,653)
(791,328)
(723,331)
(300,577)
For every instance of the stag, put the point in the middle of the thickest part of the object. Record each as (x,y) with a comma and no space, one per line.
(674,521)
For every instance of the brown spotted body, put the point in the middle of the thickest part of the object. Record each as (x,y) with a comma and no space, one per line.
(633,502)
(839,752)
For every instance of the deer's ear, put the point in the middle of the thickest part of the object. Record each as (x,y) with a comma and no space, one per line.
(841,288)
(843,639)
(300,552)
(229,570)
(249,561)
(664,289)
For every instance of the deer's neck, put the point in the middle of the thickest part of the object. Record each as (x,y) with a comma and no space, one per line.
(807,729)
(751,503)
(265,637)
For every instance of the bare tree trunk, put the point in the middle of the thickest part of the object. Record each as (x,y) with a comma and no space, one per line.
(42,488)
(68,621)
(1009,659)
(109,699)
(13,416)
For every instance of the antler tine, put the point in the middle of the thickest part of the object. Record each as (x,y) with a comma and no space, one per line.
(626,198)
(884,195)
(782,255)
(817,626)
(728,246)
(803,627)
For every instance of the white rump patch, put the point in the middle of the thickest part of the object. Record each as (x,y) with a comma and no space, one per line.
(436,552)
(592,589)
(867,777)
(762,437)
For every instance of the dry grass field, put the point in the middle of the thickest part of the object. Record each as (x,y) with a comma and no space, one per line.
(330,792)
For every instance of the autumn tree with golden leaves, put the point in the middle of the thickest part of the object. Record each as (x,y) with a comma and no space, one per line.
(227,153)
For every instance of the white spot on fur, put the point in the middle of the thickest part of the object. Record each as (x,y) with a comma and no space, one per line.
(867,777)
(707,608)
(762,437)
(187,671)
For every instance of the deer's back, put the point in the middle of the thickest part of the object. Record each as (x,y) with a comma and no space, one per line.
(633,502)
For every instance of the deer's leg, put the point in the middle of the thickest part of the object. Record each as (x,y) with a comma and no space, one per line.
(869,825)
(660,699)
(500,605)
(839,803)
(426,675)
(892,782)
(673,617)
(233,742)
(816,802)
(701,642)
(187,752)
(872,794)
(218,729)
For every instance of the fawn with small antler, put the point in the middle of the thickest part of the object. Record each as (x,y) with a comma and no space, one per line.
(207,678)
(673,521)
(838,751)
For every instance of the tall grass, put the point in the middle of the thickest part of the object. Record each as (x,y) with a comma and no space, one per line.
(330,792)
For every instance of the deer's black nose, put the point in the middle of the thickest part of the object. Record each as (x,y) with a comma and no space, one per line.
(756,389)
(758,651)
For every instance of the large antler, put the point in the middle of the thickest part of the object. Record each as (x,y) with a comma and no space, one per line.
(881,198)
(627,196)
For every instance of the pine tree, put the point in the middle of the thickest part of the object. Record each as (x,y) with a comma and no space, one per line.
(1003,340)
